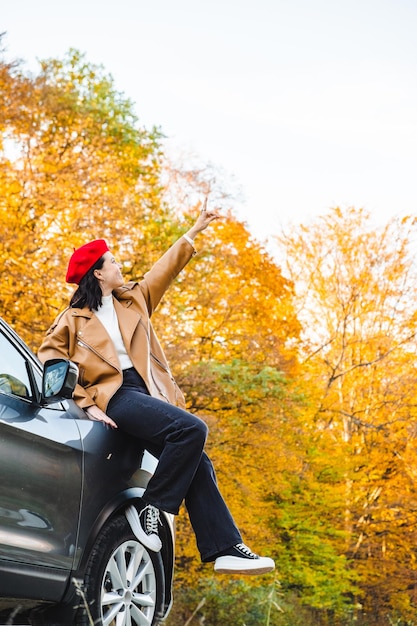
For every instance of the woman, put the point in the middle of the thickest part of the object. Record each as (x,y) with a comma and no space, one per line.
(125,382)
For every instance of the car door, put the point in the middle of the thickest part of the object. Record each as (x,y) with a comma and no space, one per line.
(40,470)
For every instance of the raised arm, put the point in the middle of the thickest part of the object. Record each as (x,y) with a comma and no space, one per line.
(162,273)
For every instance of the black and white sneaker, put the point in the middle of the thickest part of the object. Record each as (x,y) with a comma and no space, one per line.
(240,560)
(144,525)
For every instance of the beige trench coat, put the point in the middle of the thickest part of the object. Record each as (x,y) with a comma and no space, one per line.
(78,335)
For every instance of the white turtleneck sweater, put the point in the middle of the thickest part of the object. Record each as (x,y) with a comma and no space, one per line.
(107,316)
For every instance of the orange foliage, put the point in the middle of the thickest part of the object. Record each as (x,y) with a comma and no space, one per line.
(357,291)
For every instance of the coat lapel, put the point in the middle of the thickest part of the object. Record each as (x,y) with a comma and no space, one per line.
(96,337)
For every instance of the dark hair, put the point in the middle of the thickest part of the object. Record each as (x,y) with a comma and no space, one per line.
(89,292)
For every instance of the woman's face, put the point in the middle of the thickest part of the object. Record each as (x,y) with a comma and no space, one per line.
(109,276)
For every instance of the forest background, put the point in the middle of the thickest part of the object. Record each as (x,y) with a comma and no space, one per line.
(303,363)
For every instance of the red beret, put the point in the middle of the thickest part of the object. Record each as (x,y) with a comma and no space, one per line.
(83,259)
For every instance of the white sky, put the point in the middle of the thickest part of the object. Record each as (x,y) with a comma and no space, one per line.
(308,104)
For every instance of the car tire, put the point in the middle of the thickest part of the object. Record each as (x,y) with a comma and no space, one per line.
(124,581)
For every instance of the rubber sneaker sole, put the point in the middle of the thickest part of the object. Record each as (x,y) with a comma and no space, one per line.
(238,565)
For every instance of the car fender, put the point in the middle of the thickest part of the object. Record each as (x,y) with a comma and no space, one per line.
(115,506)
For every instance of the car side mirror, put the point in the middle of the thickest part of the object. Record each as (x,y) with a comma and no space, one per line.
(60,377)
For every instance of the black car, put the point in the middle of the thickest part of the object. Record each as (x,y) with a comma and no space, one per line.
(68,554)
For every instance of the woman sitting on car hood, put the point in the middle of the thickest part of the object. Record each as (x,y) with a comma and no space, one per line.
(125,382)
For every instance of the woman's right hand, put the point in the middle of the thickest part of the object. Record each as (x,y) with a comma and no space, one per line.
(97,415)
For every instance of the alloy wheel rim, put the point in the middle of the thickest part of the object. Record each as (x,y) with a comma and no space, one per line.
(128,589)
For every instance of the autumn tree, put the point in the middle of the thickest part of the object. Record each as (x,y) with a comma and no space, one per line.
(235,336)
(74,165)
(356,288)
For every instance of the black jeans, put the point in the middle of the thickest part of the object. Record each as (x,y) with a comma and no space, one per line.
(184,471)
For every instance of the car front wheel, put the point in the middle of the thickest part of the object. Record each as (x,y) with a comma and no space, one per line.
(124,582)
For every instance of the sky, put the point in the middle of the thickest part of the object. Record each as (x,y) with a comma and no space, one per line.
(305,105)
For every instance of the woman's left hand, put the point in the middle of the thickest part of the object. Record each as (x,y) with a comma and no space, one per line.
(97,415)
(204,219)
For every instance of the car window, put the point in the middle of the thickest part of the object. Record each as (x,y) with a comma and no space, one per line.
(14,379)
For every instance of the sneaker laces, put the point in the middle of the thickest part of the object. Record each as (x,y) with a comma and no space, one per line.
(151,519)
(246,550)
